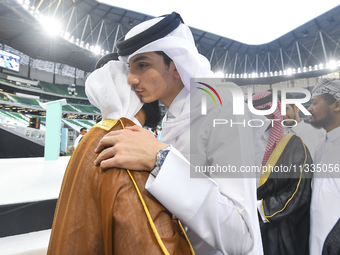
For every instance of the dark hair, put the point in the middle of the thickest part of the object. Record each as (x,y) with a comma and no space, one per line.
(328,98)
(83,128)
(166,58)
(106,58)
(152,114)
(289,96)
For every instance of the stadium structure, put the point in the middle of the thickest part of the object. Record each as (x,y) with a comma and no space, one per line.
(48,49)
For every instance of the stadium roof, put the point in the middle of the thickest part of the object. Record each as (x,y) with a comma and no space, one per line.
(88,26)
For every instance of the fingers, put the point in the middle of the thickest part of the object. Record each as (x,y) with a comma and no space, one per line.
(107,140)
(106,164)
(104,155)
(135,128)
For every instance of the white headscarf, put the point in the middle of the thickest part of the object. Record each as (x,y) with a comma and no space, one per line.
(327,86)
(179,45)
(108,90)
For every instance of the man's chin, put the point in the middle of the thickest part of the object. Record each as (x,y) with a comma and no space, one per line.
(317,124)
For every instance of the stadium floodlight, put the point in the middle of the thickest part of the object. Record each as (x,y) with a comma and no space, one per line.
(66,35)
(289,71)
(219,74)
(96,49)
(51,26)
(316,67)
(321,66)
(332,64)
(26,4)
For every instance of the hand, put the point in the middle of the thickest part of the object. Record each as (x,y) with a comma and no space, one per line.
(133,148)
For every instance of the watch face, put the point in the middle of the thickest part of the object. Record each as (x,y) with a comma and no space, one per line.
(161,155)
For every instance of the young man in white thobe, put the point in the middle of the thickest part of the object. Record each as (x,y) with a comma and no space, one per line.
(325,206)
(220,213)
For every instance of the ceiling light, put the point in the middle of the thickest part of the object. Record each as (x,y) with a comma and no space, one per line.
(332,64)
(52,26)
(219,74)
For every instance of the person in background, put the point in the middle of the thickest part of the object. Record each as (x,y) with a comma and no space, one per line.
(283,196)
(325,206)
(83,131)
(159,136)
(310,135)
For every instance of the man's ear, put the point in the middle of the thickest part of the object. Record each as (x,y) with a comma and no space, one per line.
(337,106)
(174,69)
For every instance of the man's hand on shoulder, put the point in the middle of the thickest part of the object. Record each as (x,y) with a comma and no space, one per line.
(133,148)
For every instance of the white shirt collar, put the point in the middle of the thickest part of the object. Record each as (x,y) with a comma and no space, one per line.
(296,129)
(333,134)
(177,104)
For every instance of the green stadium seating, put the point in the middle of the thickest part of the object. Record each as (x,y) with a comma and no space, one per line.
(54,88)
(87,108)
(68,108)
(25,100)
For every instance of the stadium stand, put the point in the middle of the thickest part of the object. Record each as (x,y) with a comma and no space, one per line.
(86,109)
(54,88)
(25,100)
(78,124)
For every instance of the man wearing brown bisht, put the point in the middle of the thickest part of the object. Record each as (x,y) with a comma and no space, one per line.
(111,212)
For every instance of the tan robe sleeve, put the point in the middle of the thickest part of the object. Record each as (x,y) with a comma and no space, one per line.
(100,212)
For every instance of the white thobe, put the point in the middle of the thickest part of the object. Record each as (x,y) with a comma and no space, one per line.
(76,142)
(311,136)
(325,205)
(220,213)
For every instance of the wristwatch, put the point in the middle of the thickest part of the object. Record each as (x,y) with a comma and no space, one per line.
(160,157)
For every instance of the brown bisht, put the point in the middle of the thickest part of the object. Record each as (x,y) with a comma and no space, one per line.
(101,212)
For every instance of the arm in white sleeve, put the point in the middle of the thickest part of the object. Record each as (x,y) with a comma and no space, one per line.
(203,206)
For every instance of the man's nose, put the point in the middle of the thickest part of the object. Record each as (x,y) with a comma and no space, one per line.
(310,108)
(132,79)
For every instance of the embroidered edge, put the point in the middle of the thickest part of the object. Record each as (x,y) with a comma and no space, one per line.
(274,157)
(297,187)
(106,124)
